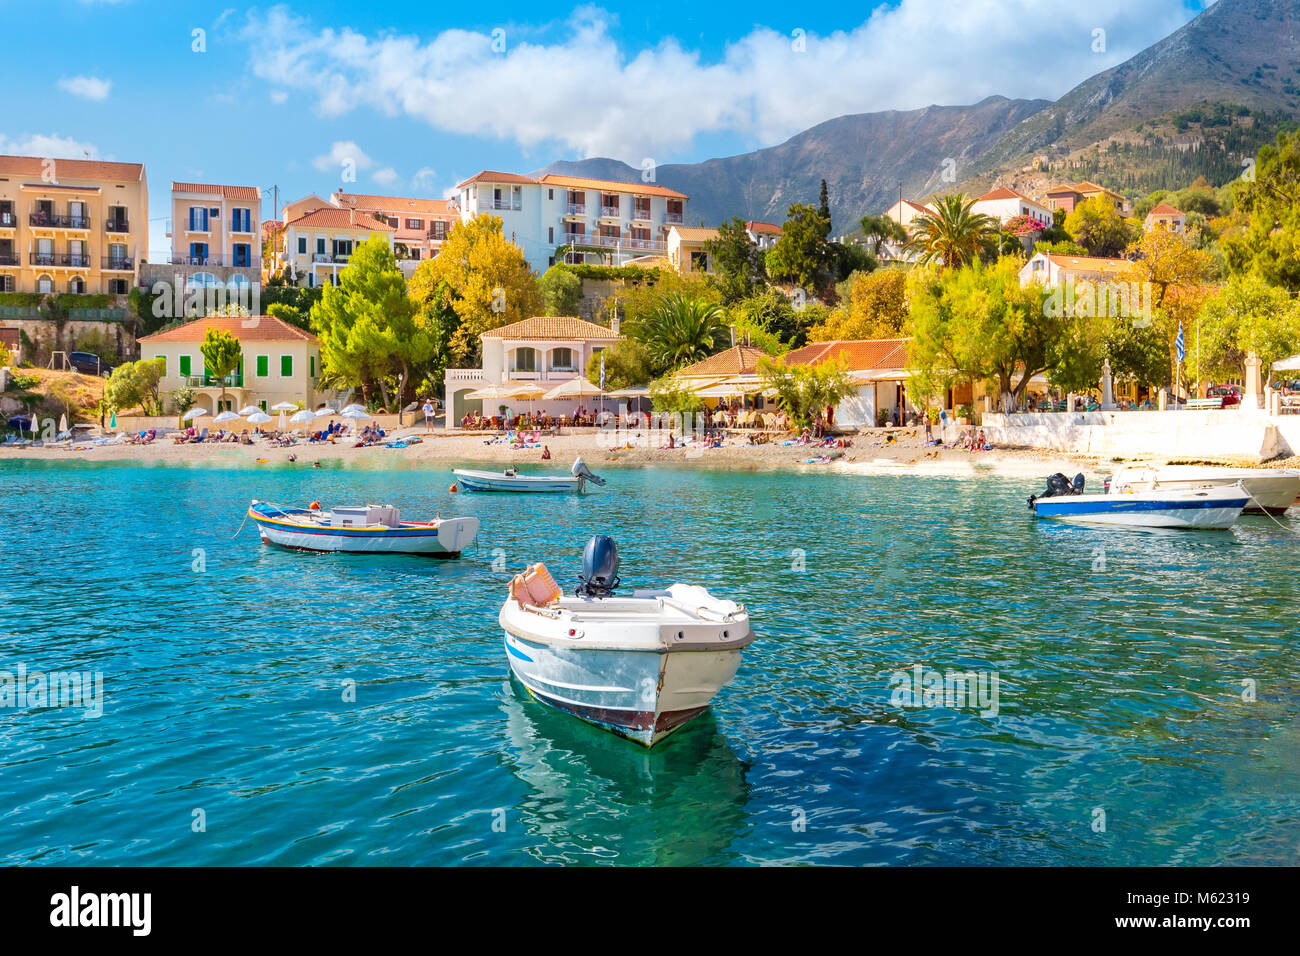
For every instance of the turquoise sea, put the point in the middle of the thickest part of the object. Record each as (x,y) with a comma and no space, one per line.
(1149,684)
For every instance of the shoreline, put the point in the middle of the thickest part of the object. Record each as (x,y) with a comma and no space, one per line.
(870,454)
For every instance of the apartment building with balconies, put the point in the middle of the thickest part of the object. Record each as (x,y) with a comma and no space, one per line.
(71,226)
(579,219)
(316,246)
(215,233)
(420,225)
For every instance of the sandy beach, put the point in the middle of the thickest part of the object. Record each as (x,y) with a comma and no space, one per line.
(870,451)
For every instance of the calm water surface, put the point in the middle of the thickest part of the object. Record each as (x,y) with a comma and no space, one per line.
(1121,736)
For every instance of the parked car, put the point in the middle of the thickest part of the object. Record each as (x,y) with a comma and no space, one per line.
(1231,394)
(88,363)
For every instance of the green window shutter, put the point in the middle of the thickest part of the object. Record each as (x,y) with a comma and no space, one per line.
(263,366)
(286,366)
(185,365)
(313,366)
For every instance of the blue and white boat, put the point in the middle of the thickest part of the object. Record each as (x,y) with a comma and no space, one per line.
(511,480)
(364,529)
(1214,507)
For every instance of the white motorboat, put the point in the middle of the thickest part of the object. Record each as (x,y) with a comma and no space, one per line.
(511,480)
(1270,489)
(1217,507)
(640,666)
(365,529)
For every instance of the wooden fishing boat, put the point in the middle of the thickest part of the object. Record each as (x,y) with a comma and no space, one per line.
(362,529)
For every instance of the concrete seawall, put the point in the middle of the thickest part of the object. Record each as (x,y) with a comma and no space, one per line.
(1232,433)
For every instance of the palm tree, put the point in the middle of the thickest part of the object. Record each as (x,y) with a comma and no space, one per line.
(680,330)
(952,234)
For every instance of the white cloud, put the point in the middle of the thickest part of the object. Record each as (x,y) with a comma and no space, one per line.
(386,176)
(87,87)
(52,145)
(343,153)
(424,179)
(588,95)
(279,97)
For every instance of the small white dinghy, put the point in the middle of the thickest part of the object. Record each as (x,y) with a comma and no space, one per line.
(1271,490)
(366,529)
(640,666)
(1217,507)
(511,480)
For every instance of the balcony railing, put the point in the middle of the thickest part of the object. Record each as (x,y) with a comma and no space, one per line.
(326,258)
(10,259)
(51,221)
(67,259)
(118,264)
(212,381)
(614,242)
(8,220)
(499,204)
(576,209)
(249,262)
(641,213)
(674,217)
(117,225)
(609,211)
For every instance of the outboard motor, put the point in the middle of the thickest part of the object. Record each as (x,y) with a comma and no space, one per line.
(580,470)
(599,568)
(1058,485)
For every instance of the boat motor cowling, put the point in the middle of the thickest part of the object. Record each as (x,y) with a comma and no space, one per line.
(1057,486)
(599,567)
(580,470)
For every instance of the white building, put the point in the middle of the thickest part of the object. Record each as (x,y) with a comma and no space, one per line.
(603,221)
(1005,204)
(545,350)
(763,234)
(1165,216)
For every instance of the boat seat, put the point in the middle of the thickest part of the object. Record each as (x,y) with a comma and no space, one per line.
(535,586)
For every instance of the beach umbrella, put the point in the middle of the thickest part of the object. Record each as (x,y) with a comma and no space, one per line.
(355,406)
(528,390)
(113,423)
(574,388)
(248,410)
(63,423)
(194,413)
(284,406)
(225,417)
(356,414)
(303,417)
(257,418)
(322,412)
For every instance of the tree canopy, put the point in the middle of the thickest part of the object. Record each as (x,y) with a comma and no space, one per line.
(953,234)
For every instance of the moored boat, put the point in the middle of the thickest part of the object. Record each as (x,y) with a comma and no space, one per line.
(640,666)
(363,529)
(511,480)
(1217,507)
(1273,490)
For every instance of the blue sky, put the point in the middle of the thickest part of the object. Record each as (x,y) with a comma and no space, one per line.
(414,99)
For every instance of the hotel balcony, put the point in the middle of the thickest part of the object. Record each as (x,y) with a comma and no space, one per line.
(118,264)
(212,381)
(499,205)
(10,259)
(117,225)
(609,212)
(575,209)
(673,218)
(251,262)
(8,220)
(464,376)
(66,260)
(52,221)
(614,242)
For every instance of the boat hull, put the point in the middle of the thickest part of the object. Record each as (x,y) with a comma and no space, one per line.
(538,484)
(1143,512)
(643,695)
(445,540)
(1270,490)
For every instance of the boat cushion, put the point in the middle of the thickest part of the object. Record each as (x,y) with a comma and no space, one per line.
(535,586)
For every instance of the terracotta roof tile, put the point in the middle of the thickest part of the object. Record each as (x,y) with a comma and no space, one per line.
(492,176)
(1164,209)
(228,192)
(861,355)
(331,218)
(770,227)
(552,327)
(73,168)
(246,328)
(696,233)
(397,205)
(737,360)
(1093,264)
(609,185)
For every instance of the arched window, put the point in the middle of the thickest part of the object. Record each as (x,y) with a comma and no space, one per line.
(563,360)
(44,284)
(77,285)
(203,280)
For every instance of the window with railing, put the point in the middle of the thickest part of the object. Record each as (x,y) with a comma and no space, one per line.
(674,211)
(198,219)
(641,209)
(525,360)
(563,360)
(241,220)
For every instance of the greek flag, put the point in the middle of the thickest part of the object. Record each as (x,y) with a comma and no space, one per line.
(602,371)
(1179,346)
